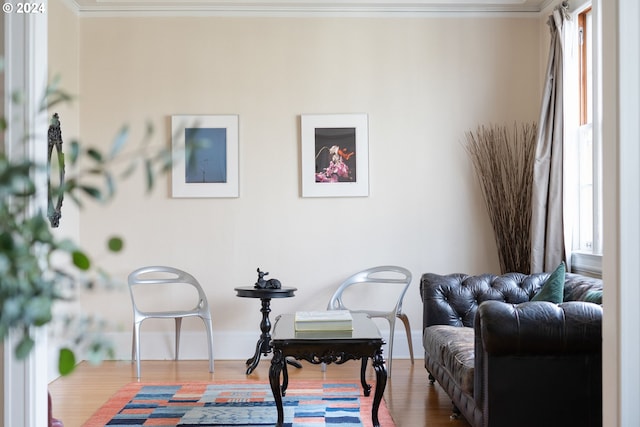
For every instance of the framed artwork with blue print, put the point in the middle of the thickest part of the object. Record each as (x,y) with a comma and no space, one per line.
(204,156)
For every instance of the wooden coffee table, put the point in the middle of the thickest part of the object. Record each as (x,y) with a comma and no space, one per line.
(364,342)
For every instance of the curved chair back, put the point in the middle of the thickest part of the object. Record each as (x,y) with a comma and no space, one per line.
(163,275)
(387,274)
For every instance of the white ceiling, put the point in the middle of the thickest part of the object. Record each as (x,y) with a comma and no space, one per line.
(321,7)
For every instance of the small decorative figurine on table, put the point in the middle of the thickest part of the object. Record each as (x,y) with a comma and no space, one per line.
(266,284)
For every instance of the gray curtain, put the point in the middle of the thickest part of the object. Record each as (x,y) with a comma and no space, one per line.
(547,232)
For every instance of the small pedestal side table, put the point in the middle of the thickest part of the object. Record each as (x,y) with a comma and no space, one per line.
(263,347)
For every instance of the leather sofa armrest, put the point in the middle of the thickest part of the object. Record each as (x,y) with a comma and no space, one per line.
(538,328)
(521,350)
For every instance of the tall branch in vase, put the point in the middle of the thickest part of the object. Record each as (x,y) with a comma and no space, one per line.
(503,162)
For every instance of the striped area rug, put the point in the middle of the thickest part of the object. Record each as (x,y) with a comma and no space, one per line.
(307,404)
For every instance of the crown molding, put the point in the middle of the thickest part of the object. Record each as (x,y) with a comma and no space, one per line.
(355,8)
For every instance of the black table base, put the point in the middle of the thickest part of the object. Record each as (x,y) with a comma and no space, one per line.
(327,351)
(263,346)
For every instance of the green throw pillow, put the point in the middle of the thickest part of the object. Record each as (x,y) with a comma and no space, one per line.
(553,289)
(594,296)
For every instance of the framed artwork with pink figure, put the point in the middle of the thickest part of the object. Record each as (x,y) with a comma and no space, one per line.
(335,155)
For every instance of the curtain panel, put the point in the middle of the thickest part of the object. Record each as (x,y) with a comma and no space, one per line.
(547,224)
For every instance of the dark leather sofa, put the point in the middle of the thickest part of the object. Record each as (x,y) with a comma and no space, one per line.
(506,361)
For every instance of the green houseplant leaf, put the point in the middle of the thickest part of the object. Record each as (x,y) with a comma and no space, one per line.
(66,361)
(115,244)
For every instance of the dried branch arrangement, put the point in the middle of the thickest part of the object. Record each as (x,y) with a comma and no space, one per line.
(503,162)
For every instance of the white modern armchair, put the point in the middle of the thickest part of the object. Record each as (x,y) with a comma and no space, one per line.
(377,277)
(162,275)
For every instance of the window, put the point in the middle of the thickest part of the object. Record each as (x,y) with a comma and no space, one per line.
(586,155)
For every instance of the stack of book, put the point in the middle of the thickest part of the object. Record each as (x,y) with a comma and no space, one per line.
(330,320)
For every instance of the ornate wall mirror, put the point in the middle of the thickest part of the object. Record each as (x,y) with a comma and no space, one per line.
(55,174)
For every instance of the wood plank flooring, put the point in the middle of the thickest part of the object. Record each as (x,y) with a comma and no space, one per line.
(413,402)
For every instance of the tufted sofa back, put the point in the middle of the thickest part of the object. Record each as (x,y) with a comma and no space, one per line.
(453,299)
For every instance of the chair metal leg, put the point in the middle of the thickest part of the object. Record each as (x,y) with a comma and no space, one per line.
(209,326)
(407,328)
(178,326)
(136,339)
(133,344)
(389,358)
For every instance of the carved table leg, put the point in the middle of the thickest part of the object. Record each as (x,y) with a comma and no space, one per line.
(366,388)
(285,377)
(253,361)
(277,365)
(381,383)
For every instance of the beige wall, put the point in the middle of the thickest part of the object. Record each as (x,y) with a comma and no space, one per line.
(64,67)
(423,83)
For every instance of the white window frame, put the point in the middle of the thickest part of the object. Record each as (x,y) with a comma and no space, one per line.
(583,259)
(25,53)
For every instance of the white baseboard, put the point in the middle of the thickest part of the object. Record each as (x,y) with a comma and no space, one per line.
(226,345)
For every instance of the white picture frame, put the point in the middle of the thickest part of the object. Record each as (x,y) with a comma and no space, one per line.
(204,151)
(334,155)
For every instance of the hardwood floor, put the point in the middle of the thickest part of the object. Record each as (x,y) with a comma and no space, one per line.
(413,402)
